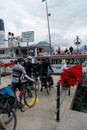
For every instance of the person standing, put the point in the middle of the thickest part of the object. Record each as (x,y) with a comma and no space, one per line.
(37,67)
(71,50)
(45,67)
(64,65)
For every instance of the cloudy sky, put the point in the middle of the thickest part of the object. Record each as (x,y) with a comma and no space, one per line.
(68,19)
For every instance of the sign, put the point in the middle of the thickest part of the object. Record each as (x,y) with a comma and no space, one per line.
(28,36)
(1,39)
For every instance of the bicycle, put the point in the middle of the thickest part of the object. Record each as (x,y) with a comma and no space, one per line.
(46,82)
(27,95)
(9,120)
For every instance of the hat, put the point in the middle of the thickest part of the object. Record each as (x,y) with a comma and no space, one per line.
(29,57)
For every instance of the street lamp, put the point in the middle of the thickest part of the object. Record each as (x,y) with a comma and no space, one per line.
(48,14)
(77,42)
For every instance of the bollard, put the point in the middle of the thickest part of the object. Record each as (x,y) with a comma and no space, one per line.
(58,103)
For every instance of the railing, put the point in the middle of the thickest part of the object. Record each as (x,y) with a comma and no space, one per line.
(59,101)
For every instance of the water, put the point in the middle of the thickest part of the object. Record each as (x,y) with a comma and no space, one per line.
(56,68)
(80,101)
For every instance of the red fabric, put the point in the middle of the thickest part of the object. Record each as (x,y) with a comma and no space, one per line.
(7,64)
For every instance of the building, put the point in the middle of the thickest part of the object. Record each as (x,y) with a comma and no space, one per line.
(2,32)
(20,50)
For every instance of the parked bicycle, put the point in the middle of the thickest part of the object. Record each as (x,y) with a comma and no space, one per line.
(9,119)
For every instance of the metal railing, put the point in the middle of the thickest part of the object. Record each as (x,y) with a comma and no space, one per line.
(60,99)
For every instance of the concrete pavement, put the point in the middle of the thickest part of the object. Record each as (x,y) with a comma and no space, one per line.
(42,116)
(73,120)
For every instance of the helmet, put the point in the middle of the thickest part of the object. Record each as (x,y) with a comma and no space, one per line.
(29,57)
(20,60)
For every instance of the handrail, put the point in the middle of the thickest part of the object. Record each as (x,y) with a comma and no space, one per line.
(58,104)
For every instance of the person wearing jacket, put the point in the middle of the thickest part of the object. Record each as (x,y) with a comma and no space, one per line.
(29,66)
(18,71)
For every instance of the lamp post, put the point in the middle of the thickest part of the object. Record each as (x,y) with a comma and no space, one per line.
(48,14)
(77,42)
(10,39)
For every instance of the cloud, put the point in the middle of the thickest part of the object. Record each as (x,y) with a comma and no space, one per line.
(68,19)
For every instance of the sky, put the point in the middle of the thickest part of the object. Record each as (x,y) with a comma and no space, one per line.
(67,21)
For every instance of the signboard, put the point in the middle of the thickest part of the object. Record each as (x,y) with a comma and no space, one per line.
(28,36)
(1,39)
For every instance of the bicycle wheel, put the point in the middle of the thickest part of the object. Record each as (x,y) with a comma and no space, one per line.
(2,126)
(3,102)
(37,85)
(9,120)
(47,89)
(46,85)
(30,95)
(37,82)
(49,86)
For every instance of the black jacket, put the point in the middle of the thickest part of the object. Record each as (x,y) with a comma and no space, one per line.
(45,66)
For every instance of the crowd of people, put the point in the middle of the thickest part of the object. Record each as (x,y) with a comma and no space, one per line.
(25,69)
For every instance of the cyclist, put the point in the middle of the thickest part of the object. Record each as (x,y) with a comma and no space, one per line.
(17,72)
(45,66)
(29,66)
(37,67)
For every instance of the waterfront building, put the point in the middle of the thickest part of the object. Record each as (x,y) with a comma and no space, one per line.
(2,32)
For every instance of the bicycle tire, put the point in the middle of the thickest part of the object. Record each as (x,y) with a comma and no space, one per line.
(11,120)
(37,85)
(30,95)
(47,90)
(3,103)
(47,87)
(2,126)
(37,82)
